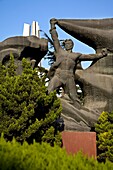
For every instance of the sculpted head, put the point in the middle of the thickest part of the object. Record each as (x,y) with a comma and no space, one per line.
(68,44)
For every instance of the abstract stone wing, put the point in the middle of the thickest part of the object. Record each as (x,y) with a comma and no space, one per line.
(97,33)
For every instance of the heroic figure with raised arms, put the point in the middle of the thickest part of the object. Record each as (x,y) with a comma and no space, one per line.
(63,70)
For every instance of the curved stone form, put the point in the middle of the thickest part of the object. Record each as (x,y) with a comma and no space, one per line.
(97,33)
(31,47)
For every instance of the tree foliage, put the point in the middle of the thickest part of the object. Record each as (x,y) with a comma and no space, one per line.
(104,129)
(27,112)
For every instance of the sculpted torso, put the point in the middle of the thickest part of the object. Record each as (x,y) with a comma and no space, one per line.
(67,60)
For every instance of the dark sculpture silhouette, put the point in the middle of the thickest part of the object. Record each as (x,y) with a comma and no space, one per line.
(63,71)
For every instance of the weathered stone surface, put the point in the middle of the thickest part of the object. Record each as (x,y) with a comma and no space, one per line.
(31,47)
(98,85)
(79,119)
(97,33)
(96,82)
(74,142)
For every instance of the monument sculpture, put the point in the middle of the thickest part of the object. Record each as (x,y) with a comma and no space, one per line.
(65,65)
(96,81)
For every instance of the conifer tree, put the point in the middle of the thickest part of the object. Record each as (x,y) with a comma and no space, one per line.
(27,112)
(104,129)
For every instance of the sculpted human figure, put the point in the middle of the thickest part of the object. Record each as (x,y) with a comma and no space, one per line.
(62,72)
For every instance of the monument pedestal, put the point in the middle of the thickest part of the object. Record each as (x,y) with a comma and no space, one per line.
(74,142)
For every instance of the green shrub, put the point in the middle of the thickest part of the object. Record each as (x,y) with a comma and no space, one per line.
(27,112)
(104,130)
(14,156)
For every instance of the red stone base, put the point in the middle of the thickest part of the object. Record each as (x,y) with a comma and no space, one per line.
(74,142)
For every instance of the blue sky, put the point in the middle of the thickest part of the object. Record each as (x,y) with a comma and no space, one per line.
(14,13)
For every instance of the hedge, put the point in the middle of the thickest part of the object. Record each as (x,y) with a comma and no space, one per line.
(14,156)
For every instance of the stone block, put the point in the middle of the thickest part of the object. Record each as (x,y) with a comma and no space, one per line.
(74,142)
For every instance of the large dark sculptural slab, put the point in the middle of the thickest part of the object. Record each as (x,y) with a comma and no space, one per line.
(31,47)
(96,81)
(96,33)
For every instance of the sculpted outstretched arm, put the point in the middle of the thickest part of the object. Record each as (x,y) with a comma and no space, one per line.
(90,57)
(54,34)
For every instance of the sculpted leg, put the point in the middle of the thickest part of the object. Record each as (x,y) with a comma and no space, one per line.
(71,90)
(54,84)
